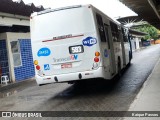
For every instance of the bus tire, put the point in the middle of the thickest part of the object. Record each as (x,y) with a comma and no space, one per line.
(119,67)
(130,57)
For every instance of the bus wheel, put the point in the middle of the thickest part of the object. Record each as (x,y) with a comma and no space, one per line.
(119,67)
(130,57)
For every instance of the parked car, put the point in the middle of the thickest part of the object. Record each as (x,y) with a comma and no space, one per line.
(146,43)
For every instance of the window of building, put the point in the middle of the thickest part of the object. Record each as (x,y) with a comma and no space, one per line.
(16,53)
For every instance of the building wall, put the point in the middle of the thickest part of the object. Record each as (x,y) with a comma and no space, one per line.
(9,21)
(4,66)
(27,69)
(3,36)
(136,43)
(157,42)
(3,55)
(133,45)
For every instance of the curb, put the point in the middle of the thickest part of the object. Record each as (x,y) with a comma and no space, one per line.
(17,84)
(145,84)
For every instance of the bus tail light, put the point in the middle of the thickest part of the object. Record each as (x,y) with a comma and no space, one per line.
(36,62)
(97,54)
(96,59)
(95,65)
(38,67)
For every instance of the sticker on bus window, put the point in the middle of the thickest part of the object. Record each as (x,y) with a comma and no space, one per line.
(89,41)
(44,52)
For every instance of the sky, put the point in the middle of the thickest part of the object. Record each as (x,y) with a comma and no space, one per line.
(112,8)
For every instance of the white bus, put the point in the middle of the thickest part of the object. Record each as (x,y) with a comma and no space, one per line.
(77,43)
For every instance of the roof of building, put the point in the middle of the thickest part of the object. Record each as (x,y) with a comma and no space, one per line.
(129,19)
(149,10)
(19,8)
(137,33)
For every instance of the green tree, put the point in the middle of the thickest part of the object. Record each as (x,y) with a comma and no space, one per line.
(152,31)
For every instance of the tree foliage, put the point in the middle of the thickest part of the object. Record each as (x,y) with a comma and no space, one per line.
(152,31)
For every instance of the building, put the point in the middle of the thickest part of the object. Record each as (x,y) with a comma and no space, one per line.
(15,44)
(148,10)
(136,37)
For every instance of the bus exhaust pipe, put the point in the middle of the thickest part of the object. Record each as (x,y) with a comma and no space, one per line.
(80,76)
(56,79)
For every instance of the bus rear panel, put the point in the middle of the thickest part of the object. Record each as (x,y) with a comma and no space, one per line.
(65,45)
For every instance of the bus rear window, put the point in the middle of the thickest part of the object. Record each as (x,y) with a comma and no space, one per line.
(63,22)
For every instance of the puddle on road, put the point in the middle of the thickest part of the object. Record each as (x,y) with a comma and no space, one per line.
(7,94)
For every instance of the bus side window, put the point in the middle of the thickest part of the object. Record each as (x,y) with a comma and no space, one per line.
(125,37)
(101,27)
(107,35)
(115,32)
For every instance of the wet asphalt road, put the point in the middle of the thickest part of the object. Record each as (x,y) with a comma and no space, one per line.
(98,95)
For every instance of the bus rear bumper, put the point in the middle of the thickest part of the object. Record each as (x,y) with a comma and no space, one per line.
(98,73)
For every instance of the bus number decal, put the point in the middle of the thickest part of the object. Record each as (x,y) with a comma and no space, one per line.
(89,41)
(44,52)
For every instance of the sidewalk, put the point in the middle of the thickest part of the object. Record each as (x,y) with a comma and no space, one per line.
(148,98)
(16,84)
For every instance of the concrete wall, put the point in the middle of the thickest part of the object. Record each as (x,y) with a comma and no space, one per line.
(9,20)
(12,37)
(135,42)
(157,42)
(20,72)
(4,66)
(3,36)
(26,70)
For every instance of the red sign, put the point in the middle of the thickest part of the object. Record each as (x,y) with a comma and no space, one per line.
(66,65)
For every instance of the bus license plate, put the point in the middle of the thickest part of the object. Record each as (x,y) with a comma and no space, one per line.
(76,49)
(66,65)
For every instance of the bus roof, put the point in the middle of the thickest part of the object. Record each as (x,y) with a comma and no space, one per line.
(57,9)
(71,7)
